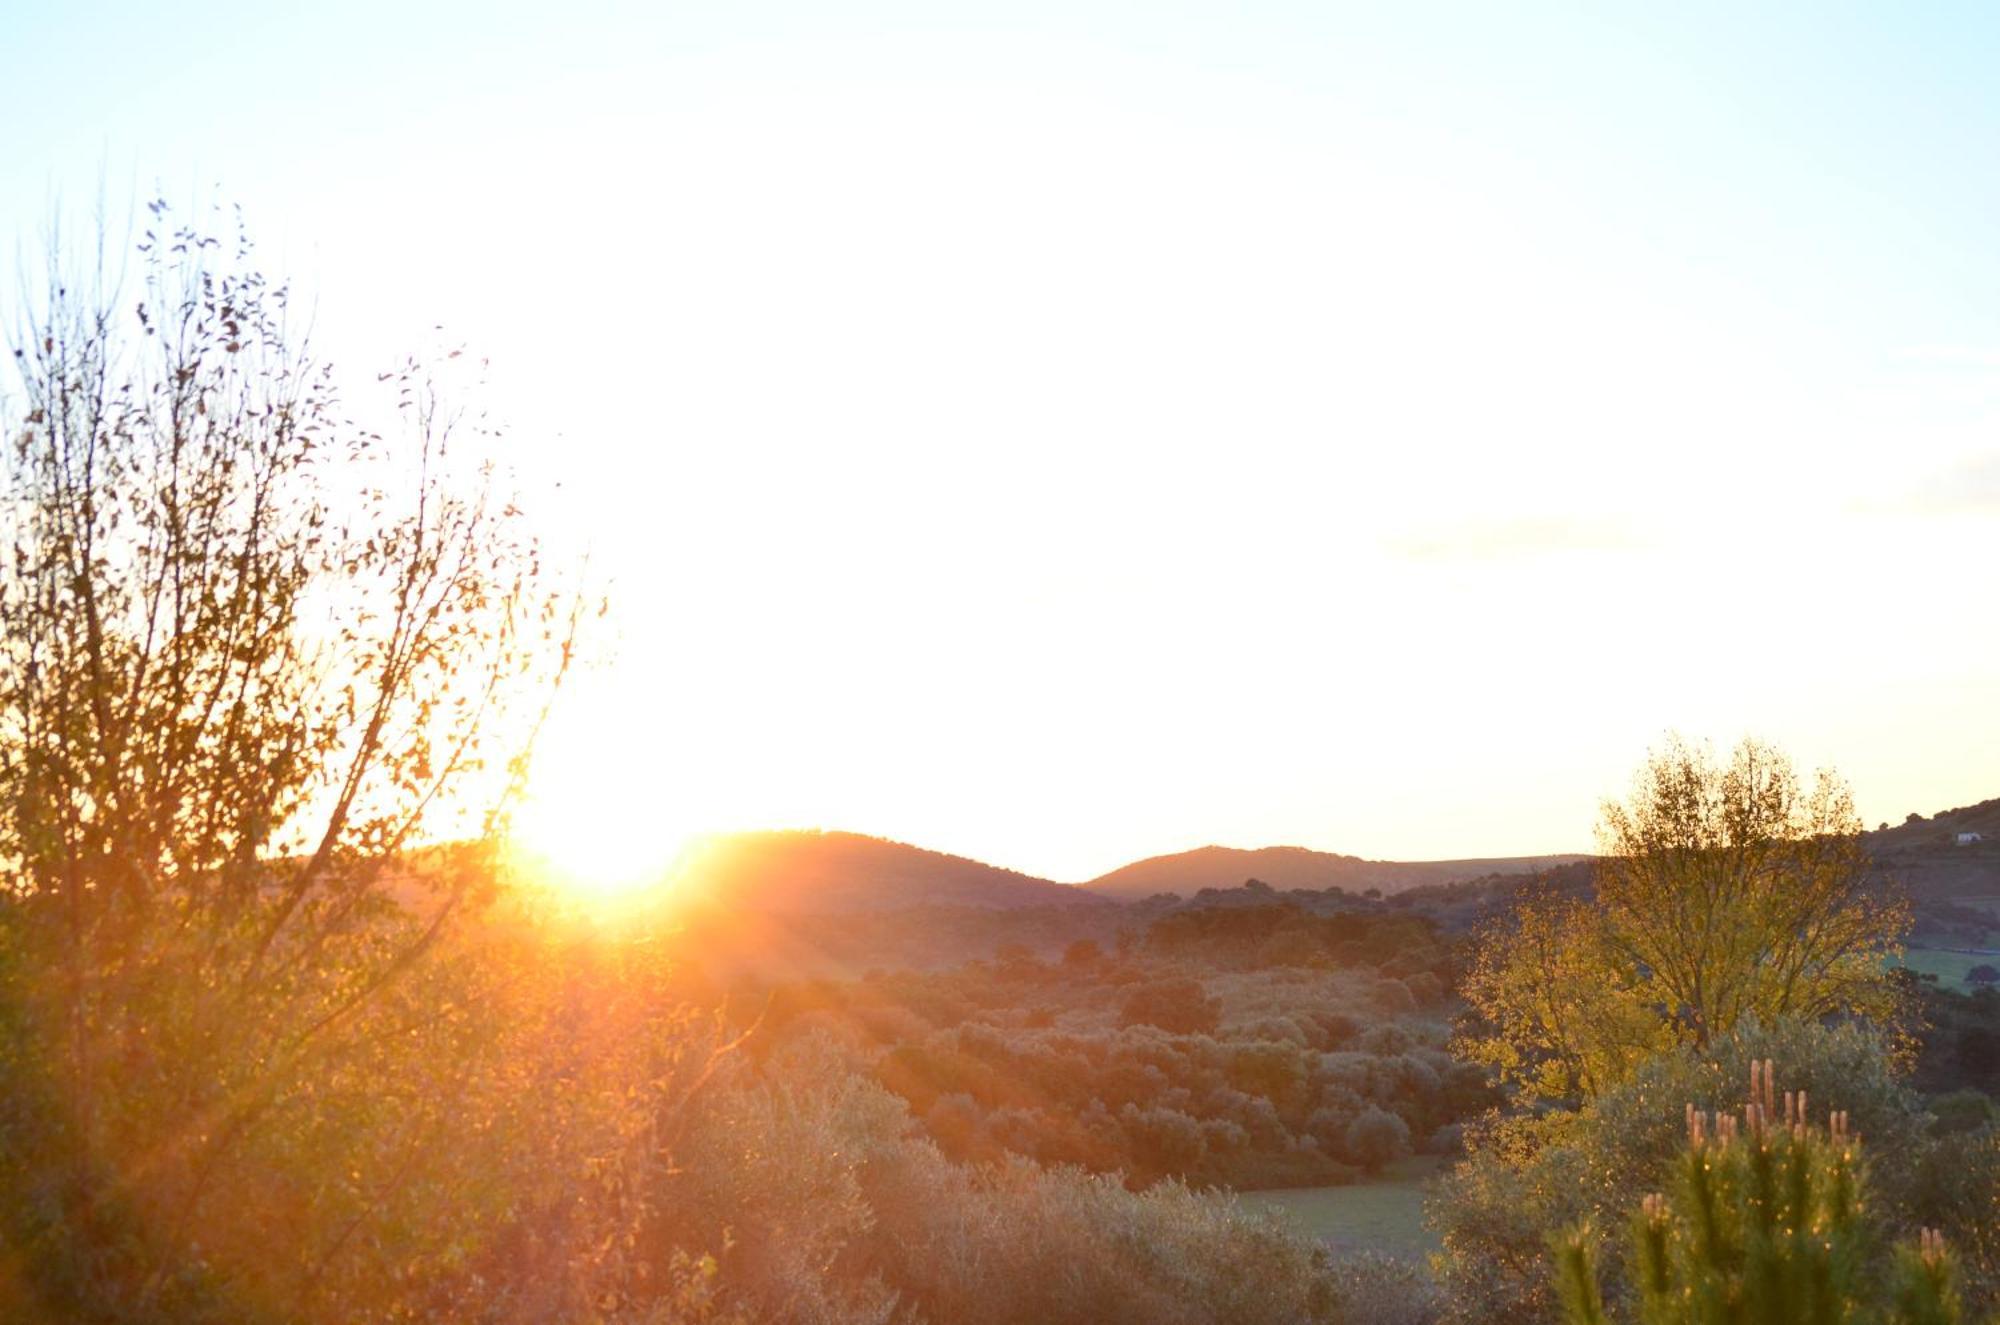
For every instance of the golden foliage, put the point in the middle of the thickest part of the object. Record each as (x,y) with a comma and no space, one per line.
(1724,893)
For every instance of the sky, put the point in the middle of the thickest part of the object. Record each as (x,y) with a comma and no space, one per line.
(1066,433)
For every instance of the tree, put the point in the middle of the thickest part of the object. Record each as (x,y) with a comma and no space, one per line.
(1558,1019)
(1181,1006)
(1983,974)
(268,680)
(1723,893)
(1376,1137)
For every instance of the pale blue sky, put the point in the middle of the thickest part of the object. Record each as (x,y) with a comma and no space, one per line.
(1065,433)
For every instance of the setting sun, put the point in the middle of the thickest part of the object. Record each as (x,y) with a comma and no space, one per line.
(582,838)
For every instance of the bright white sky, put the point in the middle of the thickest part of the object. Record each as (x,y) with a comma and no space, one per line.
(1064,433)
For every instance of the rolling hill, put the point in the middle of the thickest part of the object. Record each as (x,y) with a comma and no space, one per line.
(805,872)
(1188,872)
(1926,857)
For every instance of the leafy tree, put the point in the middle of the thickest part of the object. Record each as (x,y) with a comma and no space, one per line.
(1559,1016)
(1724,892)
(1180,1006)
(268,679)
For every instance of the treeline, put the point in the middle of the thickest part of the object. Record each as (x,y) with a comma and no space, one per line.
(777,945)
(1399,946)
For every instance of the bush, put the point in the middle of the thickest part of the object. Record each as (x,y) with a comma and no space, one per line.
(1374,1289)
(823,1208)
(1523,1177)
(1765,1219)
(1956,1187)
(1180,1006)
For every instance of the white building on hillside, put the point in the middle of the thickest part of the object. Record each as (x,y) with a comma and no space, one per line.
(1967,839)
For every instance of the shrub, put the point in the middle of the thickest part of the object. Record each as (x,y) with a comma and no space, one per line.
(1956,1187)
(1374,1289)
(1765,1219)
(1525,1176)
(1180,1006)
(835,1214)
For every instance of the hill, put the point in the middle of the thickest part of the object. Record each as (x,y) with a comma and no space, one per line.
(1286,868)
(808,872)
(815,872)
(1926,857)
(1955,885)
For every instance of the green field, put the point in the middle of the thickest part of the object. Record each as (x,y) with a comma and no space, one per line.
(1948,967)
(1384,1215)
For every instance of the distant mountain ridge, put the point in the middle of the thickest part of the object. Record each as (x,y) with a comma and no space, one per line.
(811,871)
(1286,868)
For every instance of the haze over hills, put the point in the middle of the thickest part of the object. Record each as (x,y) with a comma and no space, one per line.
(1285,868)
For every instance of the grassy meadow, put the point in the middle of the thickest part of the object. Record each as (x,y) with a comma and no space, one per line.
(1385,1214)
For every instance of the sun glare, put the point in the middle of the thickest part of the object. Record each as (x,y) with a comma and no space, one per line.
(584,841)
